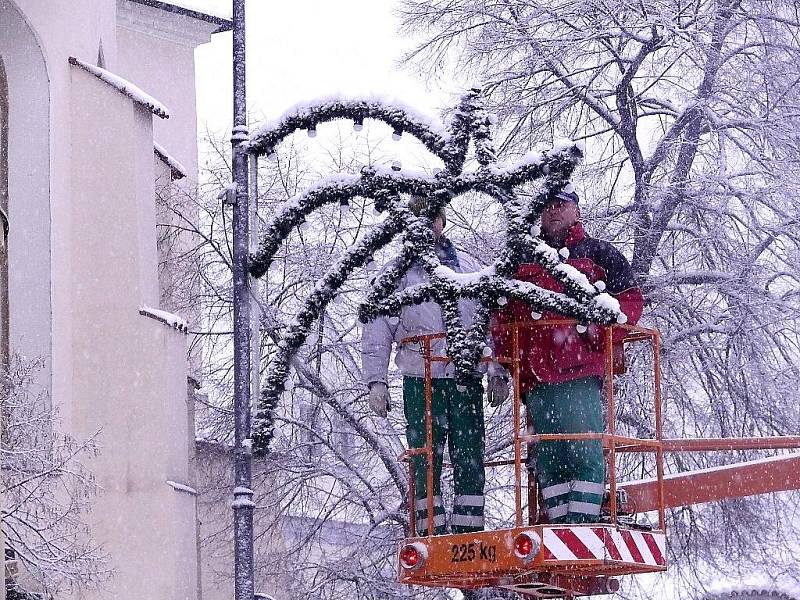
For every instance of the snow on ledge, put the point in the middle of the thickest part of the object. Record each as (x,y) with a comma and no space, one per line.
(124,86)
(178,170)
(182,488)
(165,317)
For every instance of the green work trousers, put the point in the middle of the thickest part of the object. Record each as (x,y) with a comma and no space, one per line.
(570,474)
(457,419)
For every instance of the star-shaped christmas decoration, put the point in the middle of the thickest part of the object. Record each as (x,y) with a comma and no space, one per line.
(491,288)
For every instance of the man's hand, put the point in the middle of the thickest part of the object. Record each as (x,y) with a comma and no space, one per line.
(497,390)
(379,398)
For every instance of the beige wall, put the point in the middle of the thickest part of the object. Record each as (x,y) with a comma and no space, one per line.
(86,171)
(129,378)
(148,39)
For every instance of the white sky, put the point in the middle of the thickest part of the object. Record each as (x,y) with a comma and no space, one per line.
(299,50)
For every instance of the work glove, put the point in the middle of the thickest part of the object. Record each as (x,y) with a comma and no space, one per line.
(379,398)
(497,390)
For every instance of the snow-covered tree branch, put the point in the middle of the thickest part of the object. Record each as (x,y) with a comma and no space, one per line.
(688,114)
(46,491)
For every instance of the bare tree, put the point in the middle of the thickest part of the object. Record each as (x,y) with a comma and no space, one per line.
(689,112)
(46,491)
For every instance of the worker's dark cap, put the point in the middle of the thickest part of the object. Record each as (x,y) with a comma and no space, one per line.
(562,196)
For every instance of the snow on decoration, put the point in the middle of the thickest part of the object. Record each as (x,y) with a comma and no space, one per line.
(389,190)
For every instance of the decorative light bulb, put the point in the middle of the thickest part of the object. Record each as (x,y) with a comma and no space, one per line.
(581,328)
(600,285)
(564,252)
(487,352)
(502,301)
(622,318)
(536,315)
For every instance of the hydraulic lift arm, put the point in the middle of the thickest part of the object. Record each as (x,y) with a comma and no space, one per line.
(775,474)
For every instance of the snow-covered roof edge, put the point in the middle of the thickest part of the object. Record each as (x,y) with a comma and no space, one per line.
(177,8)
(181,487)
(124,86)
(168,318)
(178,170)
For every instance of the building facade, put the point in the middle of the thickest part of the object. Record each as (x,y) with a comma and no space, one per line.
(97,111)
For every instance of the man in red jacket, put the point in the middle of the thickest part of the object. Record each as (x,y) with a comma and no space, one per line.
(562,368)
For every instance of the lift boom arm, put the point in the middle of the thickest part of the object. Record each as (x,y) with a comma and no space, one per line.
(775,474)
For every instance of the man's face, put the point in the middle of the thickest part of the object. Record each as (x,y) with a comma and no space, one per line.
(438,227)
(558,217)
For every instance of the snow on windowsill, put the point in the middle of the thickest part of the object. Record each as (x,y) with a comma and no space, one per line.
(165,317)
(124,86)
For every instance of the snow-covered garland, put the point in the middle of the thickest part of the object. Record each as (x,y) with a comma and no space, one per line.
(491,288)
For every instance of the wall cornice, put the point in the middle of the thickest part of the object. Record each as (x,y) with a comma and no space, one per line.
(170,26)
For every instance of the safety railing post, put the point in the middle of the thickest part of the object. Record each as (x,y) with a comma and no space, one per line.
(429,430)
(611,423)
(517,425)
(656,344)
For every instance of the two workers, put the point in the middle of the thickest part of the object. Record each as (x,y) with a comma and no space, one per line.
(561,373)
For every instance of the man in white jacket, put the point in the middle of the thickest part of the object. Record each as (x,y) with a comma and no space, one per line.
(457,415)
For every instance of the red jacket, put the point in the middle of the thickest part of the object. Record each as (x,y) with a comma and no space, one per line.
(557,353)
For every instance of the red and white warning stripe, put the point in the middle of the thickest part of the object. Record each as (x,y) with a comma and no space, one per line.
(604,543)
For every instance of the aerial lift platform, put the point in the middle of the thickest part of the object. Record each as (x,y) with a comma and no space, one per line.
(541,560)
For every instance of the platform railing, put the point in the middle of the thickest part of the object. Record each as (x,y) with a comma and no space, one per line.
(610,441)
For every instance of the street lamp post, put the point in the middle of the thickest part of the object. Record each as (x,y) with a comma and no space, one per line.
(242,493)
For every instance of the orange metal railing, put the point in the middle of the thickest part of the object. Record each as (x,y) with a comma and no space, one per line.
(611,442)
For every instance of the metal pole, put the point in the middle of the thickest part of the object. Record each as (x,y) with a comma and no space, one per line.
(244,587)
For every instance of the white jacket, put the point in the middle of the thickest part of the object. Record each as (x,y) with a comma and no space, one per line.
(379,335)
